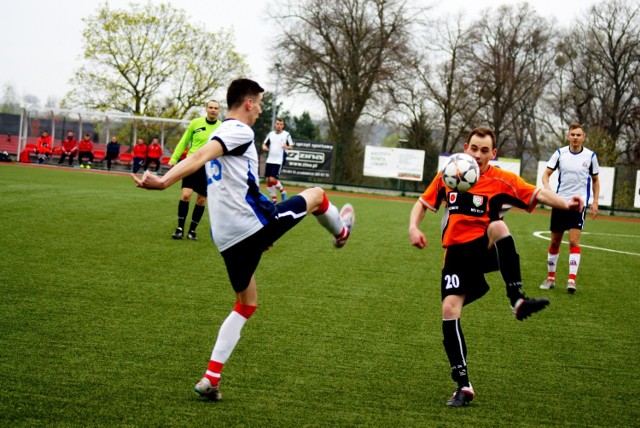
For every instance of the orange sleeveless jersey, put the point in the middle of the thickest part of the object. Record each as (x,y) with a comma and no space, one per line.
(468,214)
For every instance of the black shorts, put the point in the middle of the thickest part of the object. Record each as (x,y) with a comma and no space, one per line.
(272,170)
(196,181)
(562,220)
(242,259)
(464,269)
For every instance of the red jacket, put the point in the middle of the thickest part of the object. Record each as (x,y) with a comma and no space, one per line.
(70,145)
(86,145)
(154,151)
(140,150)
(44,144)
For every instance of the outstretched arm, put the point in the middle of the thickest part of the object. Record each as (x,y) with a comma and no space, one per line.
(415,234)
(212,150)
(547,197)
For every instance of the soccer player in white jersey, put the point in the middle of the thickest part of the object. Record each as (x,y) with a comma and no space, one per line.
(276,144)
(578,171)
(244,222)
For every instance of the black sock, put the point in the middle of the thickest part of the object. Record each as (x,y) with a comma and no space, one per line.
(509,264)
(198,210)
(456,349)
(183,210)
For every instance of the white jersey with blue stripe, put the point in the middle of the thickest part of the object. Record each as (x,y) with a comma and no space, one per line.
(275,141)
(237,209)
(574,171)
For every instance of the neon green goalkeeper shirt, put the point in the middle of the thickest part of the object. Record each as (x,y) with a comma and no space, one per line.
(197,134)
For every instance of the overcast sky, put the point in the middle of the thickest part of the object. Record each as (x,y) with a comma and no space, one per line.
(41,40)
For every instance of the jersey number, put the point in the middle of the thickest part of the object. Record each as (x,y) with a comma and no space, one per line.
(452,281)
(216,171)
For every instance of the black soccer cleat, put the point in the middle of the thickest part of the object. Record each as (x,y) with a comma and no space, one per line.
(192,235)
(461,396)
(177,234)
(524,308)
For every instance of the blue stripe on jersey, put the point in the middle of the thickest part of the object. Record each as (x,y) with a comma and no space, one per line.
(262,207)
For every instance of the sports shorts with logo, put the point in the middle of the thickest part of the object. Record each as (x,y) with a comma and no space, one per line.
(464,269)
(562,220)
(242,259)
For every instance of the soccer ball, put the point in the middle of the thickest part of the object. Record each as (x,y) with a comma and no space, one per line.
(461,172)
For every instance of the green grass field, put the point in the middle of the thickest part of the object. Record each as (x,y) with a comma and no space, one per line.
(107,321)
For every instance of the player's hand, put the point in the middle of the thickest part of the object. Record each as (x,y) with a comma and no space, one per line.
(148,181)
(576,204)
(417,238)
(594,210)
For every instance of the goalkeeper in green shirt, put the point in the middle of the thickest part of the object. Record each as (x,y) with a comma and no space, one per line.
(196,136)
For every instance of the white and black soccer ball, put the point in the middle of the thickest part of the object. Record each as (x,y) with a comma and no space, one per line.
(461,172)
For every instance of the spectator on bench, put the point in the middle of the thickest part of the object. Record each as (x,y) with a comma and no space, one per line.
(139,155)
(154,153)
(113,151)
(43,149)
(86,151)
(69,148)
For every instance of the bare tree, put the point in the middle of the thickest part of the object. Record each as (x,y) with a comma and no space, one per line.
(343,51)
(512,65)
(599,67)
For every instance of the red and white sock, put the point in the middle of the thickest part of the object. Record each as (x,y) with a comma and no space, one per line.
(552,262)
(574,262)
(228,338)
(272,191)
(329,217)
(279,186)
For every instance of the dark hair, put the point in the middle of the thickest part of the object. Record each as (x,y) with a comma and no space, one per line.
(483,132)
(279,119)
(241,89)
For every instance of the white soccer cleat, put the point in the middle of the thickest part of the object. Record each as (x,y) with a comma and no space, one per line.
(206,390)
(348,216)
(571,286)
(548,284)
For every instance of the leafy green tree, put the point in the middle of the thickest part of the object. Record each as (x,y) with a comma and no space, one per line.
(304,128)
(151,60)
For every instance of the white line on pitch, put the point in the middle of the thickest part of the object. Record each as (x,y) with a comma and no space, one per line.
(539,233)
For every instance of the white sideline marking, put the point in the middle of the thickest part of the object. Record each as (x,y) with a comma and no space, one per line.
(539,233)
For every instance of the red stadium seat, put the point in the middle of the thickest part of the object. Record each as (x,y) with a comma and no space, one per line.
(125,158)
(98,156)
(165,160)
(57,151)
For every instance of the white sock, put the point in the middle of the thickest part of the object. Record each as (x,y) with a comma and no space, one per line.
(331,220)
(228,337)
(272,191)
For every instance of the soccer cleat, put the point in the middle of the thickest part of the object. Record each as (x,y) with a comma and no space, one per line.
(81,165)
(206,390)
(192,235)
(571,286)
(348,217)
(524,308)
(89,166)
(548,284)
(283,195)
(461,396)
(177,234)
(274,200)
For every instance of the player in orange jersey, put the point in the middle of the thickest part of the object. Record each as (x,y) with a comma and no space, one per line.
(477,241)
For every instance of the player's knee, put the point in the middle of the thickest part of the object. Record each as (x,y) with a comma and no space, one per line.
(497,230)
(201,200)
